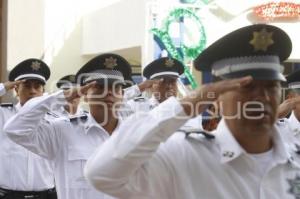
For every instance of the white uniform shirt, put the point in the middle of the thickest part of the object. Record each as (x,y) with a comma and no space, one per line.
(62,112)
(144,105)
(150,161)
(293,124)
(68,143)
(21,169)
(290,127)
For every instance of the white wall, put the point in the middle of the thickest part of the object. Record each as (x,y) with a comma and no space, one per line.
(49,28)
(25,37)
(115,27)
(63,35)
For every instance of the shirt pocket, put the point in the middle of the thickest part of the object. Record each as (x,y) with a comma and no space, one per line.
(77,158)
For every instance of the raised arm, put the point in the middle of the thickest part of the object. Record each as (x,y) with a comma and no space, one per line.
(136,90)
(29,129)
(127,164)
(4,87)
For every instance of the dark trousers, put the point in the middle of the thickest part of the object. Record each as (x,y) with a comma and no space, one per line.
(12,194)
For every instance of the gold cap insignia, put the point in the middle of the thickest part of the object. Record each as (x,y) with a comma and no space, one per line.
(35,65)
(169,62)
(262,40)
(110,63)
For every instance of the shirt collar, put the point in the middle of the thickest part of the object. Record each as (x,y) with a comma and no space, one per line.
(153,102)
(79,111)
(63,111)
(294,123)
(230,149)
(18,106)
(91,123)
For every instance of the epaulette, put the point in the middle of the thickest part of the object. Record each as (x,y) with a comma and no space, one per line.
(7,105)
(78,117)
(139,99)
(281,122)
(297,149)
(52,114)
(197,132)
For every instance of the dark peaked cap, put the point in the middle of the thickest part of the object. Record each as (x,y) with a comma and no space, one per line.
(293,79)
(255,50)
(30,69)
(105,68)
(163,67)
(66,82)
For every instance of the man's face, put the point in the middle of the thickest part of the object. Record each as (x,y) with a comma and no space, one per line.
(29,89)
(252,108)
(165,89)
(106,97)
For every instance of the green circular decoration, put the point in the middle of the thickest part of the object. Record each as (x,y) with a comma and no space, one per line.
(189,52)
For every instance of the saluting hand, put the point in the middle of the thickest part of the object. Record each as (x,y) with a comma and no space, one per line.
(74,93)
(197,101)
(147,84)
(11,85)
(287,106)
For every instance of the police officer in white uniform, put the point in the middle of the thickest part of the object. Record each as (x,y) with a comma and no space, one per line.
(23,174)
(246,159)
(164,73)
(70,143)
(291,108)
(73,109)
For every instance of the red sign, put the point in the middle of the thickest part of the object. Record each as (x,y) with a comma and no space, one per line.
(275,10)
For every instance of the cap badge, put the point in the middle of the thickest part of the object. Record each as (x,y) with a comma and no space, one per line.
(169,63)
(110,63)
(261,40)
(35,65)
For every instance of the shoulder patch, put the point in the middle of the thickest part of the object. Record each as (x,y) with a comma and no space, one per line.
(281,122)
(139,99)
(8,105)
(297,149)
(206,135)
(53,114)
(78,117)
